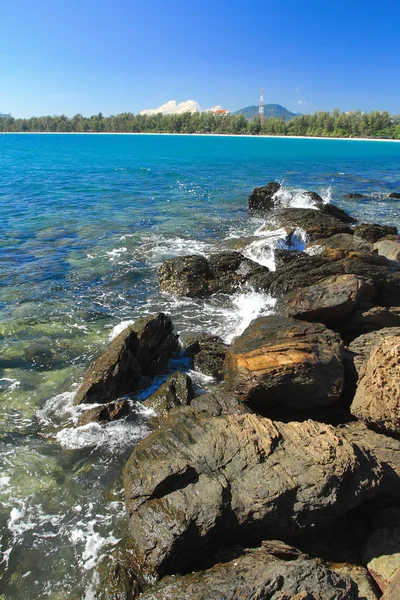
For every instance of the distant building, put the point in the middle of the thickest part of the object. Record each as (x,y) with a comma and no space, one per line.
(5,116)
(220,111)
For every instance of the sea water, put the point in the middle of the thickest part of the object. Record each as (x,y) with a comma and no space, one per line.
(85,221)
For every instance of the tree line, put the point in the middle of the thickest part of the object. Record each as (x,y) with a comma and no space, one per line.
(377,124)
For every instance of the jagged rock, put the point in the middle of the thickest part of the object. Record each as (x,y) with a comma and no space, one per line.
(198,483)
(142,349)
(315,223)
(195,276)
(208,352)
(354,196)
(377,399)
(279,360)
(344,241)
(370,318)
(176,391)
(219,403)
(105,413)
(395,195)
(385,449)
(392,592)
(329,301)
(382,550)
(254,574)
(389,247)
(372,232)
(390,293)
(367,589)
(262,198)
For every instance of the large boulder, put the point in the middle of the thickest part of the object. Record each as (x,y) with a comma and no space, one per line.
(280,360)
(372,232)
(329,301)
(377,399)
(368,318)
(198,483)
(362,345)
(262,198)
(315,223)
(390,292)
(141,350)
(225,272)
(257,574)
(176,391)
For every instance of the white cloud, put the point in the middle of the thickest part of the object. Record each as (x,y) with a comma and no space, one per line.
(297,89)
(301,102)
(214,108)
(172,107)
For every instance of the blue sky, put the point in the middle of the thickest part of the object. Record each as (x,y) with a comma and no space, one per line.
(89,56)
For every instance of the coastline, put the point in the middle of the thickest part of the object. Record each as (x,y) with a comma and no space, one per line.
(284,137)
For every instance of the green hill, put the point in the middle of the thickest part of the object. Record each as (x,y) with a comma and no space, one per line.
(270,110)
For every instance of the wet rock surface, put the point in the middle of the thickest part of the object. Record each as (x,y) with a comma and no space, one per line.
(255,574)
(208,352)
(195,276)
(104,414)
(315,223)
(176,391)
(280,360)
(377,399)
(198,483)
(141,350)
(262,198)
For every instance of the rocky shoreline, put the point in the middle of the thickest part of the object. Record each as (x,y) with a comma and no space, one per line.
(284,482)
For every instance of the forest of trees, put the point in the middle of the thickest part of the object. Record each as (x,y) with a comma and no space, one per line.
(378,124)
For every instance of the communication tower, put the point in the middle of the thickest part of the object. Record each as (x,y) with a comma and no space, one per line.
(261,107)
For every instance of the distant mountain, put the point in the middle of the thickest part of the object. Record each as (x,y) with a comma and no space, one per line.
(4,116)
(270,110)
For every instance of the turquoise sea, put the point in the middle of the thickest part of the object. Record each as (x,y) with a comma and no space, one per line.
(85,220)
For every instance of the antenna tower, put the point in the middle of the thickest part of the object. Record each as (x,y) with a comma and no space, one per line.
(261,107)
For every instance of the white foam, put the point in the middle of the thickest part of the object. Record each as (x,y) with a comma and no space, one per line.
(119,329)
(298,198)
(10,384)
(157,249)
(116,252)
(59,408)
(111,437)
(314,250)
(246,308)
(93,542)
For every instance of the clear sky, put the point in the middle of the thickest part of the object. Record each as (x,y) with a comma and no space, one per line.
(90,56)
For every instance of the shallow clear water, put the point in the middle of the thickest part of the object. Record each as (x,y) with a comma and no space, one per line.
(85,222)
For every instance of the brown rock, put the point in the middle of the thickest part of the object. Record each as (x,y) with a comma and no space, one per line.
(329,301)
(372,232)
(262,198)
(105,413)
(367,589)
(389,247)
(143,349)
(392,592)
(255,574)
(315,223)
(377,399)
(362,345)
(284,361)
(197,484)
(219,403)
(343,241)
(369,318)
(382,550)
(176,391)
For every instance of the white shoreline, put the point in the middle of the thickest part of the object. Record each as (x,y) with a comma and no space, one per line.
(246,135)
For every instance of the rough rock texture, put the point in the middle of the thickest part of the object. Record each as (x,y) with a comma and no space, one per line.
(255,574)
(369,318)
(315,223)
(386,451)
(362,345)
(382,550)
(195,276)
(372,232)
(176,391)
(143,349)
(279,360)
(392,591)
(199,483)
(118,581)
(395,195)
(329,301)
(389,247)
(367,589)
(208,352)
(344,241)
(390,293)
(377,399)
(219,403)
(262,198)
(338,213)
(105,413)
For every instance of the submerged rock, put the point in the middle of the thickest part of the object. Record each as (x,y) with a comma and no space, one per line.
(395,195)
(141,350)
(255,574)
(377,399)
(280,360)
(195,276)
(354,196)
(198,483)
(176,391)
(105,413)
